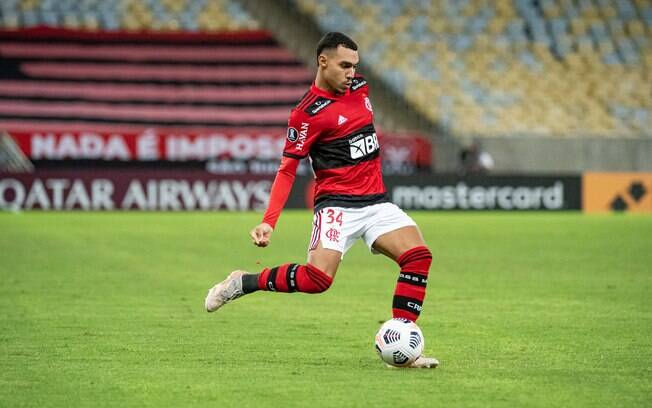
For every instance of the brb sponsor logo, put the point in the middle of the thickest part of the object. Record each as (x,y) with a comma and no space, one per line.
(363,144)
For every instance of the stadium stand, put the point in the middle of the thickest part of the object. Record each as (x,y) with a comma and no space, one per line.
(506,67)
(133,15)
(198,80)
(197,70)
(62,76)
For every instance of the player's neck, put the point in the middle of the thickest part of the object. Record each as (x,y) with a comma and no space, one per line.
(323,85)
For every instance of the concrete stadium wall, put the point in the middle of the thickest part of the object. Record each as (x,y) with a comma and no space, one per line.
(545,155)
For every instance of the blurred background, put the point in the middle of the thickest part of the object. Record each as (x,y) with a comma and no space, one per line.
(183,104)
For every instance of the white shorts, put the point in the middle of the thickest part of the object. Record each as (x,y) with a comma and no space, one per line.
(338,228)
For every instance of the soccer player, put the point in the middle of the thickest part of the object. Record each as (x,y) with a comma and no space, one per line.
(333,125)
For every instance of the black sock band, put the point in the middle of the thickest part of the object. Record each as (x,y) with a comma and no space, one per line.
(249,282)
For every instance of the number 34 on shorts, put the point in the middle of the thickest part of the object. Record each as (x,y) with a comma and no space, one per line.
(330,220)
(338,228)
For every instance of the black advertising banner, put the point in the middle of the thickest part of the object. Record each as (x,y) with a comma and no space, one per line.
(197,189)
(508,193)
(154,190)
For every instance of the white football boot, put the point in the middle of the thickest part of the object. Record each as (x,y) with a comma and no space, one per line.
(424,362)
(421,362)
(224,292)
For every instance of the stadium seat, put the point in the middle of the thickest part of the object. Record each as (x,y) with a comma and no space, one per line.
(131,15)
(206,80)
(554,67)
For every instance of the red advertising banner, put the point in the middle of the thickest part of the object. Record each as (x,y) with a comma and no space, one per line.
(133,143)
(110,143)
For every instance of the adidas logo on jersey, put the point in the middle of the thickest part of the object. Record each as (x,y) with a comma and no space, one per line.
(341,120)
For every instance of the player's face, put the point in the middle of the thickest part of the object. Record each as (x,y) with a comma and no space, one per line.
(338,68)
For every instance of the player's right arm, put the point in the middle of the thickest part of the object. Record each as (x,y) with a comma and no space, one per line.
(281,188)
(300,136)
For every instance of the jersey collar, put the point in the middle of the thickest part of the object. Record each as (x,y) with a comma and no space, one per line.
(326,94)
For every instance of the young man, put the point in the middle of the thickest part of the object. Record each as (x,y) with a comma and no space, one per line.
(333,124)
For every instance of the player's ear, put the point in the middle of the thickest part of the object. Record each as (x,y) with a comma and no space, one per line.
(322,61)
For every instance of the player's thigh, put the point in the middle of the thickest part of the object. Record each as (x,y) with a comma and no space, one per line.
(326,260)
(395,243)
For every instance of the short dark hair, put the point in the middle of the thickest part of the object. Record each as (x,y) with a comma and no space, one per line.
(332,40)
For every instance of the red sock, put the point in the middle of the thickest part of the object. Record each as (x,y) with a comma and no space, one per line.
(411,285)
(294,278)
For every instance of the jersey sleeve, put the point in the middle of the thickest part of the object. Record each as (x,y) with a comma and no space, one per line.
(281,188)
(301,134)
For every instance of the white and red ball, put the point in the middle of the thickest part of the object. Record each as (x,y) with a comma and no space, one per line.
(399,342)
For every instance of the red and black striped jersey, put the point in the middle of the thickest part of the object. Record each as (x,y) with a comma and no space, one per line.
(337,133)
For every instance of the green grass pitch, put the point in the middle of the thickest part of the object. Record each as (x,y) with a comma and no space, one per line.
(549,310)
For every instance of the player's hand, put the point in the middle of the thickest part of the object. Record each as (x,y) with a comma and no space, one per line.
(261,234)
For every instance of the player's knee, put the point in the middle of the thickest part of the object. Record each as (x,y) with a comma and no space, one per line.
(317,280)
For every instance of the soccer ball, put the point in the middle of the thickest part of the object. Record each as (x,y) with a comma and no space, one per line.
(399,342)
